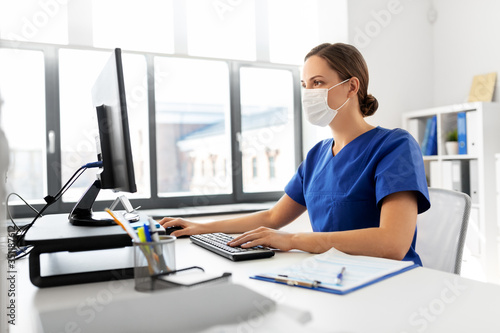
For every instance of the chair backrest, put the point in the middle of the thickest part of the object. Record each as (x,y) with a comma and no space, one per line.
(441,230)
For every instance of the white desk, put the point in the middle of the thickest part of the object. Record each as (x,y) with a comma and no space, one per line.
(421,300)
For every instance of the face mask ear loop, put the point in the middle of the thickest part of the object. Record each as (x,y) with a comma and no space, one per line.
(338,84)
(340,107)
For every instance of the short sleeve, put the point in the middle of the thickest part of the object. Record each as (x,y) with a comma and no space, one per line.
(295,187)
(401,168)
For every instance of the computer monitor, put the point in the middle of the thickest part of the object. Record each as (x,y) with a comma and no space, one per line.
(108,97)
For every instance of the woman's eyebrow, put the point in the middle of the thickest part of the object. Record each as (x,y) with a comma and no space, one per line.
(314,77)
(311,78)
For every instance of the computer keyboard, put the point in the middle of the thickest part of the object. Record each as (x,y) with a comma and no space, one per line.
(217,243)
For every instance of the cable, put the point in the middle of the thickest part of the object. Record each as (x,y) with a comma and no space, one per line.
(21,231)
(20,252)
(52,199)
(8,208)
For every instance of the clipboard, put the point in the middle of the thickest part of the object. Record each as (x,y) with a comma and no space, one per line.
(321,272)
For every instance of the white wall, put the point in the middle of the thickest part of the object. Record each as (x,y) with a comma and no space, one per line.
(416,64)
(466,43)
(395,37)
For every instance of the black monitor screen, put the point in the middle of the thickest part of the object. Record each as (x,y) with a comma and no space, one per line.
(108,97)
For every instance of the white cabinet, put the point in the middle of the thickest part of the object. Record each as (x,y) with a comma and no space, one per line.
(473,171)
(497,159)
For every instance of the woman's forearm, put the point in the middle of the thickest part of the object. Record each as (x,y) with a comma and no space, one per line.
(391,240)
(375,242)
(282,213)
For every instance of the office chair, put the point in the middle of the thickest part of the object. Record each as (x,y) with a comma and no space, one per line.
(441,230)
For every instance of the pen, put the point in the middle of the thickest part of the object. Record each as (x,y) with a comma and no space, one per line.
(152,230)
(157,249)
(141,234)
(149,252)
(124,224)
(152,225)
(147,233)
(296,282)
(115,219)
(340,276)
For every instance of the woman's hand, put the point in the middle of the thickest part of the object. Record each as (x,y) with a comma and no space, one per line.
(266,237)
(188,227)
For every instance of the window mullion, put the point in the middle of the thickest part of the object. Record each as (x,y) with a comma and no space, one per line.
(297,111)
(153,165)
(52,116)
(236,157)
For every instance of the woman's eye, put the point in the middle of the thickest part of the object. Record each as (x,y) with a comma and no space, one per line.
(317,83)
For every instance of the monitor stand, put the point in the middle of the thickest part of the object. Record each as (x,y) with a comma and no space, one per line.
(65,254)
(131,213)
(82,214)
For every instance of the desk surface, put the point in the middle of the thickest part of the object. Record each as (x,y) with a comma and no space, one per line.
(418,300)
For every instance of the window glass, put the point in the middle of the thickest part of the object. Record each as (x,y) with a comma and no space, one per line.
(133,25)
(22,88)
(34,21)
(78,71)
(267,139)
(292,35)
(221,29)
(192,127)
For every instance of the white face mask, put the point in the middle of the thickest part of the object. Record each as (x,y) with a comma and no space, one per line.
(315,105)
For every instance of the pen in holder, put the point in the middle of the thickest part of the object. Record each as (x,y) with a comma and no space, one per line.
(151,259)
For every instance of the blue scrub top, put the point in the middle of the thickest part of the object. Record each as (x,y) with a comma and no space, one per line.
(345,191)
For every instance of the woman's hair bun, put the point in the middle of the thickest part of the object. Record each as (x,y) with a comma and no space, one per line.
(369,105)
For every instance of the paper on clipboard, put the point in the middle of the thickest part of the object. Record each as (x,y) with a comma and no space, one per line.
(323,268)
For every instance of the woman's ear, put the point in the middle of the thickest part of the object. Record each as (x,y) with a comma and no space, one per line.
(353,86)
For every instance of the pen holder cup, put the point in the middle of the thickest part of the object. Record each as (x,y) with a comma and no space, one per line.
(152,258)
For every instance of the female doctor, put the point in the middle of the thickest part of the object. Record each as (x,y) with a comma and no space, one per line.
(362,188)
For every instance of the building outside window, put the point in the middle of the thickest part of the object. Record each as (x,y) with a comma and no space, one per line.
(255,172)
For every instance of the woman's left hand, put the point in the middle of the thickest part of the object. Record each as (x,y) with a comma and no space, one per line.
(266,237)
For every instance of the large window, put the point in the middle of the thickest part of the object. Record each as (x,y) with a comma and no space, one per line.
(22,89)
(203,131)
(292,35)
(267,128)
(221,29)
(34,21)
(145,25)
(192,127)
(212,90)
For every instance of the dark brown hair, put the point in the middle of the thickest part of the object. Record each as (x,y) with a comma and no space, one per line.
(348,62)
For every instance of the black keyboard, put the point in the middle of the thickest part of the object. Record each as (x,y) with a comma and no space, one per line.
(217,243)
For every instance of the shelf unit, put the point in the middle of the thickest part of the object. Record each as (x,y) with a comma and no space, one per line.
(483,235)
